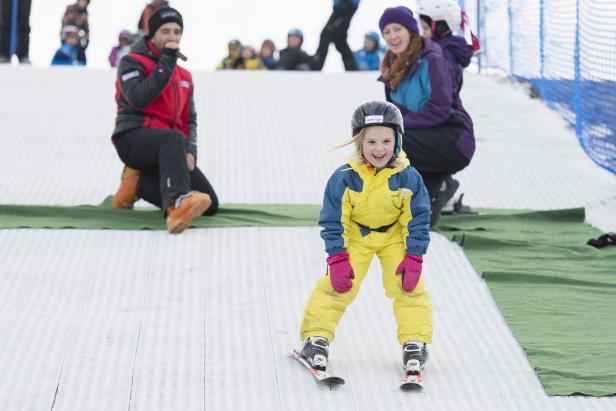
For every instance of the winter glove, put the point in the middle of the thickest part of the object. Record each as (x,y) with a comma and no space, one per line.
(340,272)
(410,268)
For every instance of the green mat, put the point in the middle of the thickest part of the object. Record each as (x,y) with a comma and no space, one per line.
(104,217)
(557,294)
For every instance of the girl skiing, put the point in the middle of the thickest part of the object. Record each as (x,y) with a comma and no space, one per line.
(374,204)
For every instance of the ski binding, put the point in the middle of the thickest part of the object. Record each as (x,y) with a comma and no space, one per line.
(321,376)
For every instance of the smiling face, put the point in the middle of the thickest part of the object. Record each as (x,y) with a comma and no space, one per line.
(378,146)
(397,37)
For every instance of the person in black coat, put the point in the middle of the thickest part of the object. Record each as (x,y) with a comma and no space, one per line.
(293,57)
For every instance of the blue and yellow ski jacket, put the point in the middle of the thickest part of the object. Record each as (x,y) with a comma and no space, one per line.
(358,201)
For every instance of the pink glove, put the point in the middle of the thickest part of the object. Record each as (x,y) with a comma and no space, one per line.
(340,272)
(410,268)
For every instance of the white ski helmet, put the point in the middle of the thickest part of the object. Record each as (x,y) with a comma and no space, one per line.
(442,10)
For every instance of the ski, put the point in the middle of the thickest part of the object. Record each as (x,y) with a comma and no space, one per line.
(412,381)
(321,376)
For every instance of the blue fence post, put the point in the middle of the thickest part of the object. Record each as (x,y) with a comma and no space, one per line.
(578,78)
(13,42)
(541,49)
(510,20)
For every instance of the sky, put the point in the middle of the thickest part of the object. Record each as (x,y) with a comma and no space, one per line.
(208,26)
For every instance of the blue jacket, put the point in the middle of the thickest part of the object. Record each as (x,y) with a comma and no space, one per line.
(355,196)
(368,60)
(66,55)
(427,96)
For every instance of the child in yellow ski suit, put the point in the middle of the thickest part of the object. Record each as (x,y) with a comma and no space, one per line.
(374,204)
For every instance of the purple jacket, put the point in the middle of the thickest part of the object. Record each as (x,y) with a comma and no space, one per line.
(458,53)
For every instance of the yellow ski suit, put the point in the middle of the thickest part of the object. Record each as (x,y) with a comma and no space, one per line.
(367,213)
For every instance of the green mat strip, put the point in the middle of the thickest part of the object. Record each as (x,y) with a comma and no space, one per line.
(104,217)
(557,294)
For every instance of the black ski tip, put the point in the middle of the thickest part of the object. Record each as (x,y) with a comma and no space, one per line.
(411,387)
(334,381)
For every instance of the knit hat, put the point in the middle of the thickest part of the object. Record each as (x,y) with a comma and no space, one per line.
(401,15)
(162,16)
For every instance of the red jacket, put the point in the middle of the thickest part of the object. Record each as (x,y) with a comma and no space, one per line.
(153,92)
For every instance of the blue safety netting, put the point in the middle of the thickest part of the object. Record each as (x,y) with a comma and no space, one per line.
(566,49)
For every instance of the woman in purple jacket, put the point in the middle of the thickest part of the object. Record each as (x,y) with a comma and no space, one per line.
(438,137)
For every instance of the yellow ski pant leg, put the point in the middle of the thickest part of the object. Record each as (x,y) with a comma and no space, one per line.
(325,306)
(413,311)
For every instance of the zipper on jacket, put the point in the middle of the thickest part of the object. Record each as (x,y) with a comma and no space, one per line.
(175,104)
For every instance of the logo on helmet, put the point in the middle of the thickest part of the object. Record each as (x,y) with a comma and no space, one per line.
(373,119)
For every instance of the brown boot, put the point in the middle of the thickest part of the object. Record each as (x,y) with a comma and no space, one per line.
(125,196)
(186,208)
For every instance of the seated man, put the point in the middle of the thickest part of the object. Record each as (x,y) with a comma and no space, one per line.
(156,127)
(293,57)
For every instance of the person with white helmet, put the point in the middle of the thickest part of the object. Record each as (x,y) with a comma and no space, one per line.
(439,138)
(375,204)
(68,53)
(440,22)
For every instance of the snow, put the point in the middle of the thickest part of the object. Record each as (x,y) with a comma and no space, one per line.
(141,320)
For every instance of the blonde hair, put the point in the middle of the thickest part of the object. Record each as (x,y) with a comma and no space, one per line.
(358,156)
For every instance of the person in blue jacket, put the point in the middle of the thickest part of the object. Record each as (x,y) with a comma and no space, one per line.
(369,57)
(335,31)
(68,53)
(439,137)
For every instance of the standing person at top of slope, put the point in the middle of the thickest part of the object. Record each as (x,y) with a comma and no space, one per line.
(438,137)
(335,31)
(373,204)
(156,127)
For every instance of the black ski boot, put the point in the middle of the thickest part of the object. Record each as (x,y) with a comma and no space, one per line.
(445,193)
(414,356)
(316,351)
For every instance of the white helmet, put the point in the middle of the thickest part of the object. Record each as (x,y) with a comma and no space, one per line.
(442,10)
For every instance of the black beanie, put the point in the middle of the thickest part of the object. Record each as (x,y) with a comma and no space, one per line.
(162,16)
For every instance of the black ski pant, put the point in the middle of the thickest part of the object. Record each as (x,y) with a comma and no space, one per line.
(432,151)
(335,31)
(160,155)
(23,27)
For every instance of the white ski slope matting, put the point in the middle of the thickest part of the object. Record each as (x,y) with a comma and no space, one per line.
(140,320)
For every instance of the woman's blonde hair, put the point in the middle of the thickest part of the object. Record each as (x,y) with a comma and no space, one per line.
(358,156)
(394,67)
